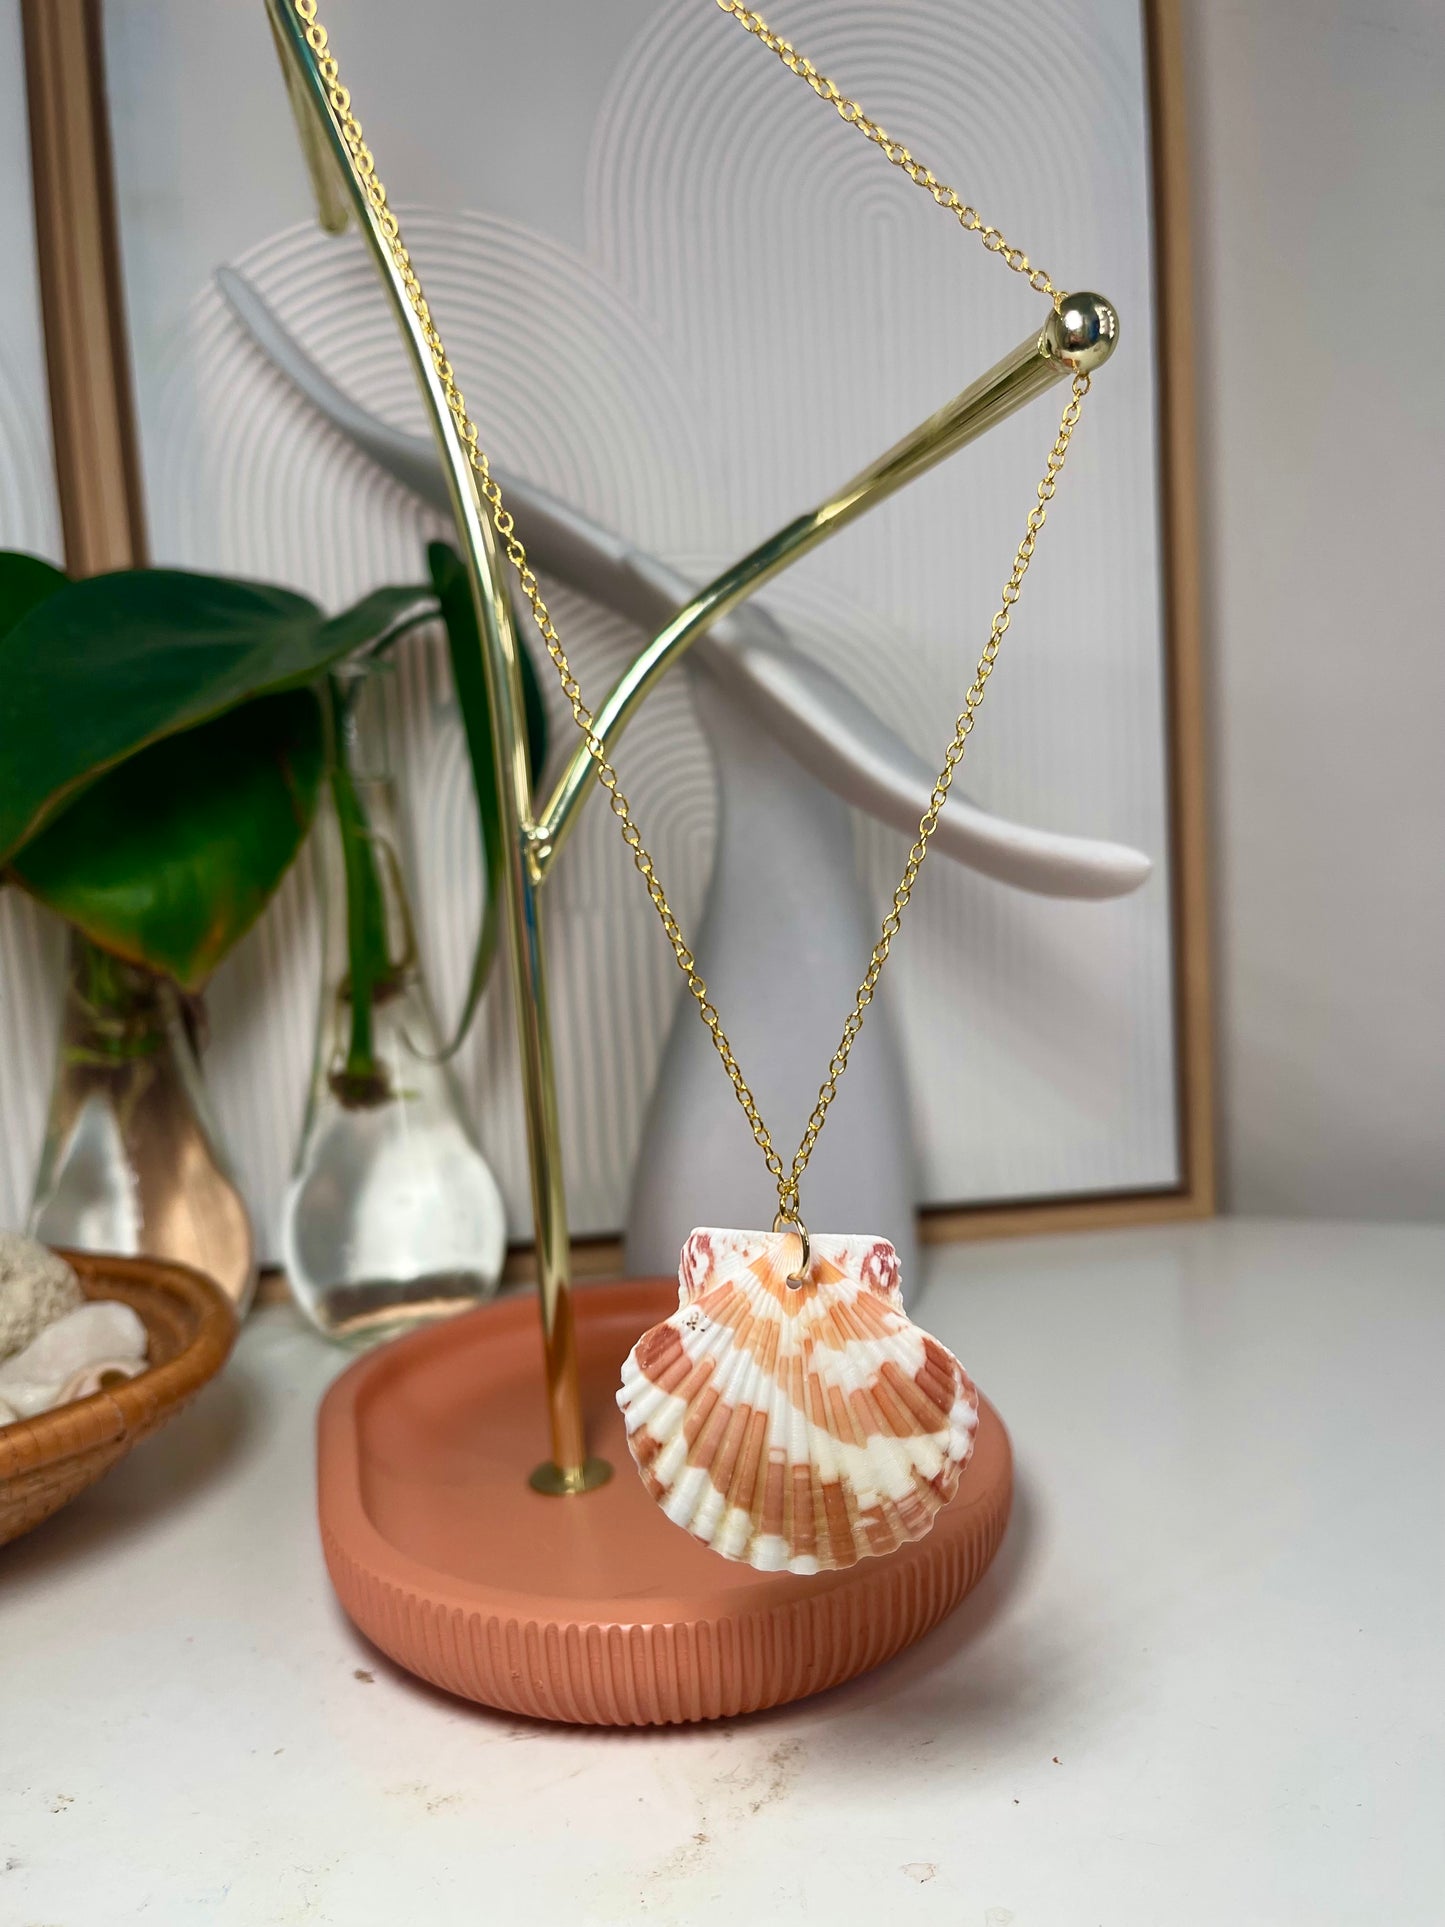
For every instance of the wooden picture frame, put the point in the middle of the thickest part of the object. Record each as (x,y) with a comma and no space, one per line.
(98,479)
(97,469)
(1194,1196)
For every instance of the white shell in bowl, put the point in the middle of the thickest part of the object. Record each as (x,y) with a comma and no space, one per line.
(798,1428)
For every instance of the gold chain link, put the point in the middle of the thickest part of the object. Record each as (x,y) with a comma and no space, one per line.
(850,111)
(786,1178)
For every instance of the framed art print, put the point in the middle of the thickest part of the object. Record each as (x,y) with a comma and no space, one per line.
(688,311)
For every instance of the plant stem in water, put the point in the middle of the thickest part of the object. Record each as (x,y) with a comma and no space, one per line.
(361,1079)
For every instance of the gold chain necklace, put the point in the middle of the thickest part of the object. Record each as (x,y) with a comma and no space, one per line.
(786,1177)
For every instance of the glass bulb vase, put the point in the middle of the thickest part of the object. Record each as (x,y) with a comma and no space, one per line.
(131,1161)
(393,1217)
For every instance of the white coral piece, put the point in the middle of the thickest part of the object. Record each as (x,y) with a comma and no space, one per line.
(36,1288)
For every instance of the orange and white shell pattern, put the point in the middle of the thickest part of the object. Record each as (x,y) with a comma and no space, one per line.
(799,1428)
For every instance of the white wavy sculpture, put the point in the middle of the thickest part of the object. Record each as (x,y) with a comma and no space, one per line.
(782,958)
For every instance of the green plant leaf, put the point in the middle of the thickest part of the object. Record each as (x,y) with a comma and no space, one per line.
(464,642)
(100,668)
(169,859)
(25,581)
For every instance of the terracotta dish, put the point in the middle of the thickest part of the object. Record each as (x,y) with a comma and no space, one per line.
(596,1610)
(190,1326)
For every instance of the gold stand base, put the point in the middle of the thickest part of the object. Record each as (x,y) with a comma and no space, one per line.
(557,1484)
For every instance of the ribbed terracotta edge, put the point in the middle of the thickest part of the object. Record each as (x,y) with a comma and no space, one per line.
(622,1674)
(46,1461)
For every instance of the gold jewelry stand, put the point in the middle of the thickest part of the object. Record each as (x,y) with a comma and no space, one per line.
(1078,337)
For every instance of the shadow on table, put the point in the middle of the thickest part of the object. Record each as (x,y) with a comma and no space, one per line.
(162,1477)
(968,1674)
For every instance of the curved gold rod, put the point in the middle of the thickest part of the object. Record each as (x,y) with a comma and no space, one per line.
(570,1470)
(1078,337)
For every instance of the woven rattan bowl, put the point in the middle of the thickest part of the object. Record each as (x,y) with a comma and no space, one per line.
(45,1461)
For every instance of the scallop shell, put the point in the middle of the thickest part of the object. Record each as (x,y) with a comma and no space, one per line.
(796,1428)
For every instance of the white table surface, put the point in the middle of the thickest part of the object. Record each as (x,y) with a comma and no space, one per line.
(1202,1685)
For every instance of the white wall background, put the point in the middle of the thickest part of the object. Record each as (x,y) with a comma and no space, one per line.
(32,947)
(1319,189)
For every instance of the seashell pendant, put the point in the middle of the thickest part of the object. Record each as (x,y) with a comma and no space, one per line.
(798,1427)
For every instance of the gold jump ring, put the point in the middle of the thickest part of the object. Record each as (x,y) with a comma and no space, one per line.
(790,1221)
